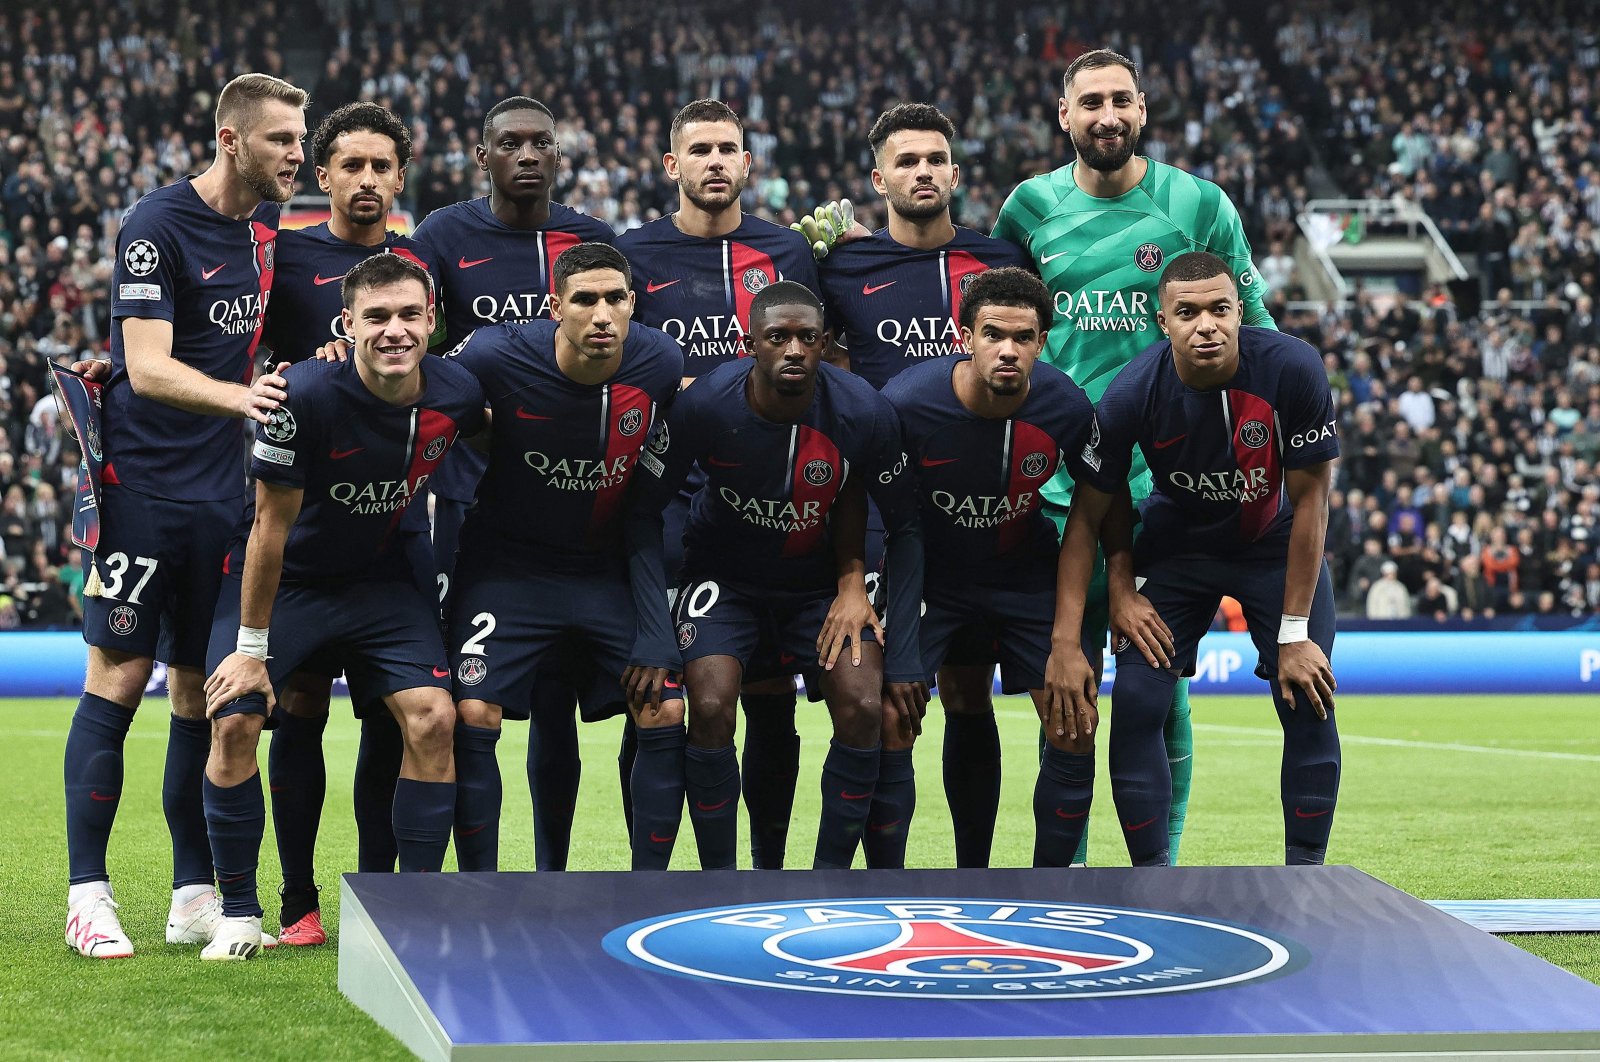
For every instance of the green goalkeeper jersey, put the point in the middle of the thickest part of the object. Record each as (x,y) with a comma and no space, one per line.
(1101,260)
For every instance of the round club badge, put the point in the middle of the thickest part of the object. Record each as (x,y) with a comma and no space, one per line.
(1034,465)
(818,472)
(1254,434)
(938,948)
(686,634)
(631,421)
(122,620)
(755,279)
(435,449)
(141,258)
(472,671)
(1148,257)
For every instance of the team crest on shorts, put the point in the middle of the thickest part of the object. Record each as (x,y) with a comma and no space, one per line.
(141,258)
(818,472)
(123,620)
(1035,464)
(280,425)
(472,671)
(686,634)
(434,449)
(950,948)
(631,422)
(1254,434)
(1148,257)
(754,280)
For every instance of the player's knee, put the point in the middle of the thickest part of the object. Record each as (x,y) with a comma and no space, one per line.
(1080,745)
(430,723)
(858,719)
(186,691)
(671,714)
(307,696)
(966,690)
(479,714)
(234,739)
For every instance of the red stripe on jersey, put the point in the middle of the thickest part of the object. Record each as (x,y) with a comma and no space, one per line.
(555,242)
(627,426)
(959,265)
(749,270)
(109,474)
(410,256)
(1255,449)
(814,483)
(432,427)
(1033,461)
(265,239)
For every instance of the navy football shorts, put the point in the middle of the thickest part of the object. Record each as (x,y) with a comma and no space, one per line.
(716,618)
(1010,624)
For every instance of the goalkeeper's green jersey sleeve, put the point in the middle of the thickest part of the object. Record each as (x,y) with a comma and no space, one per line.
(1101,260)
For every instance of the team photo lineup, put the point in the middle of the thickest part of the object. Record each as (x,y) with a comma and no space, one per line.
(700,476)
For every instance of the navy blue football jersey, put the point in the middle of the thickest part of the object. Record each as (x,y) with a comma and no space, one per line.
(1218,457)
(307,289)
(978,478)
(699,290)
(893,306)
(211,276)
(360,461)
(763,517)
(561,453)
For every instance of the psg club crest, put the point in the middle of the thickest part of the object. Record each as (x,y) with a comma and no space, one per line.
(141,258)
(686,634)
(435,449)
(472,671)
(1254,434)
(122,620)
(631,422)
(754,280)
(923,948)
(1148,257)
(818,472)
(967,282)
(1034,465)
(280,425)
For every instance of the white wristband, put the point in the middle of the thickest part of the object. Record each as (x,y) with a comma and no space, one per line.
(252,642)
(1293,629)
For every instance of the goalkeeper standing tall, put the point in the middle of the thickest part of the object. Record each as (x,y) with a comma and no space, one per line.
(1099,230)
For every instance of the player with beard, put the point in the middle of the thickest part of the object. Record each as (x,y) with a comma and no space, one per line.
(1099,230)
(696,273)
(360,152)
(896,297)
(495,259)
(192,279)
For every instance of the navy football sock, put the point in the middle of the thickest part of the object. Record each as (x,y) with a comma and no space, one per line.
(377,769)
(657,787)
(236,818)
(423,814)
(711,782)
(771,771)
(849,776)
(477,815)
(1061,799)
(1308,780)
(553,775)
(93,775)
(188,746)
(297,778)
(1141,778)
(972,784)
(627,751)
(894,801)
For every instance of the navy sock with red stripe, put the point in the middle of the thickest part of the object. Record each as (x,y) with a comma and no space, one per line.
(93,774)
(1141,778)
(554,772)
(423,813)
(377,768)
(972,783)
(297,778)
(894,801)
(657,787)
(711,782)
(478,798)
(236,818)
(849,776)
(1061,799)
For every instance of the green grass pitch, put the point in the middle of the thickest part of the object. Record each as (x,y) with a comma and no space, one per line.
(1445,797)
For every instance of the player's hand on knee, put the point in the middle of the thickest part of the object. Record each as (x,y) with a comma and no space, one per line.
(1136,619)
(333,350)
(905,703)
(267,392)
(644,686)
(1304,666)
(98,370)
(1072,693)
(239,674)
(850,612)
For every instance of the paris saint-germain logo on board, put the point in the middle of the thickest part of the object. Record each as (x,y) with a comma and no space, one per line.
(952,948)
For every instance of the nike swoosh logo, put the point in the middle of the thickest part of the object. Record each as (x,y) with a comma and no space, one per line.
(846,795)
(277,788)
(1064,815)
(475,829)
(935,462)
(1130,827)
(651,289)
(340,455)
(320,280)
(1164,443)
(718,806)
(879,828)
(1311,814)
(440,672)
(464,264)
(101,796)
(868,289)
(654,839)
(207,274)
(523,414)
(1046,259)
(714,463)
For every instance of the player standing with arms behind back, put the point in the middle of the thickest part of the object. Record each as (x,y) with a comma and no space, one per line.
(191,282)
(1099,230)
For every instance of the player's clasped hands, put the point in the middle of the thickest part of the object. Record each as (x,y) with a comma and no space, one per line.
(239,674)
(1303,665)
(1072,694)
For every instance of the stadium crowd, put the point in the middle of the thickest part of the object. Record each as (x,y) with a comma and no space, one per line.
(1471,440)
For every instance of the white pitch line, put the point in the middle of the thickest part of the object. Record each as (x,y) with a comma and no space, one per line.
(1443,746)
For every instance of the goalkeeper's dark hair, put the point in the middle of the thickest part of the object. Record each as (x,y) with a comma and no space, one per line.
(703,111)
(922,117)
(380,271)
(514,103)
(360,118)
(1010,286)
(1095,60)
(586,257)
(783,293)
(1193,265)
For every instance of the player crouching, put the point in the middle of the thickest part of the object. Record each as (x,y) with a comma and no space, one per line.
(322,556)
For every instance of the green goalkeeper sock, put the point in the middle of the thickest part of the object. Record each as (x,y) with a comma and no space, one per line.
(1179,735)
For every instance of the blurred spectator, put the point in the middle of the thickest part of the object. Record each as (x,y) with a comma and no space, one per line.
(1388,598)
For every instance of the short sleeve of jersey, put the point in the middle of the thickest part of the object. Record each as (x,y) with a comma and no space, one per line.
(1081,453)
(478,353)
(891,483)
(285,444)
(1306,415)
(144,278)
